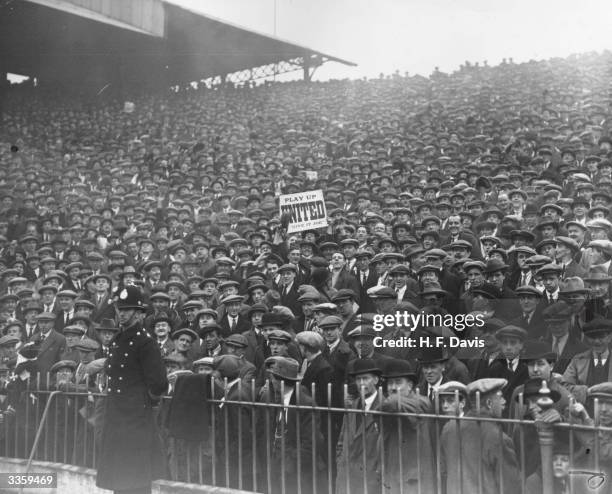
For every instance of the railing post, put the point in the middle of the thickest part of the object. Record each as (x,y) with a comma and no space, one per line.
(546,438)
(546,435)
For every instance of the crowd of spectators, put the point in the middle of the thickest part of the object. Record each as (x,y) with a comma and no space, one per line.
(485,192)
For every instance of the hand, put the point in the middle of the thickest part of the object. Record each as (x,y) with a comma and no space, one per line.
(577,410)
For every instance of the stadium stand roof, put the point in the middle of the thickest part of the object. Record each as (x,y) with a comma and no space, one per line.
(140,41)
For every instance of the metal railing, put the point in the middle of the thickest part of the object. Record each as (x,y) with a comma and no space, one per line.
(260,443)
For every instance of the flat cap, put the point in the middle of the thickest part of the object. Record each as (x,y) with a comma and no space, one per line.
(381,292)
(363,331)
(87,345)
(237,340)
(325,307)
(232,299)
(344,294)
(208,361)
(45,316)
(598,325)
(74,329)
(487,385)
(601,390)
(568,242)
(8,340)
(280,335)
(528,290)
(451,387)
(190,332)
(311,339)
(549,269)
(309,295)
(511,331)
(330,322)
(62,364)
(288,267)
(228,366)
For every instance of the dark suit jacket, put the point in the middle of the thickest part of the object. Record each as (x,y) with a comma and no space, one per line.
(499,368)
(242,325)
(104,310)
(536,328)
(365,302)
(291,300)
(319,372)
(59,323)
(339,359)
(347,280)
(51,350)
(572,347)
(574,269)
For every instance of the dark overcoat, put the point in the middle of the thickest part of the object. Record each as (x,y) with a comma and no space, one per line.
(131,452)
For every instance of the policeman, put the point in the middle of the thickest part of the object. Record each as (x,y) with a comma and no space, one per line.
(131,455)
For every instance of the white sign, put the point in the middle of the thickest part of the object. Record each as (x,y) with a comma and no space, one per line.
(307,210)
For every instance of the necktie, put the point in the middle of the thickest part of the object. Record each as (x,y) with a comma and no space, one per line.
(65,317)
(510,367)
(233,324)
(286,291)
(598,361)
(363,278)
(550,298)
(556,348)
(523,279)
(431,394)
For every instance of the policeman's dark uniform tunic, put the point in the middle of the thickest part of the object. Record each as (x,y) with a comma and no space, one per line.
(131,452)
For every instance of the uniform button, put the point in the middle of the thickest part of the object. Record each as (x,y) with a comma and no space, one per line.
(138,333)
(118,391)
(131,342)
(126,354)
(109,390)
(120,378)
(121,366)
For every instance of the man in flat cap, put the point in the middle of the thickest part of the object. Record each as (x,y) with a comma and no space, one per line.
(595,453)
(282,425)
(288,288)
(592,366)
(474,462)
(557,323)
(52,344)
(509,365)
(235,419)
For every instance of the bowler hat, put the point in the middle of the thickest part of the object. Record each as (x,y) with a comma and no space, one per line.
(537,387)
(400,368)
(364,366)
